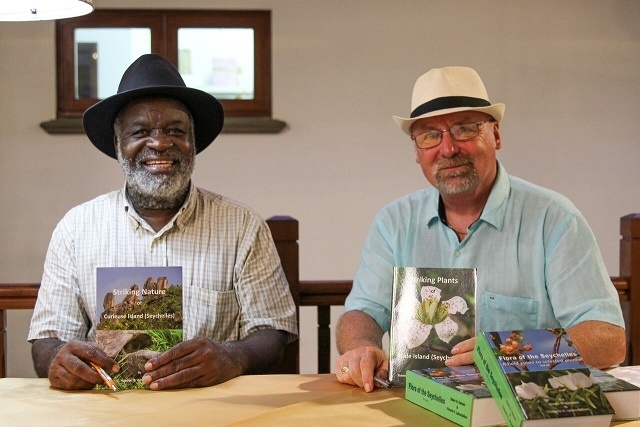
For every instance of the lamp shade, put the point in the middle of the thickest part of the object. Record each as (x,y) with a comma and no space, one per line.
(40,10)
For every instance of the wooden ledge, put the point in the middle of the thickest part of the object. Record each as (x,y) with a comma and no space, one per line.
(73,125)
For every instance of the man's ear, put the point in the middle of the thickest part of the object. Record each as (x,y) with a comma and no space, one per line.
(496,135)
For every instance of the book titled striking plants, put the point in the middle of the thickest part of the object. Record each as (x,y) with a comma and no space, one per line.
(138,316)
(432,310)
(538,375)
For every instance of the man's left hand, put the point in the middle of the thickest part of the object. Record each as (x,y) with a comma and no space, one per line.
(199,362)
(462,353)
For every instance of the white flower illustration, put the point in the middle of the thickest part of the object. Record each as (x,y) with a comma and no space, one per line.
(433,313)
(528,391)
(571,381)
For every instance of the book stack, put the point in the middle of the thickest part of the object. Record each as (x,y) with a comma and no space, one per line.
(537,376)
(461,395)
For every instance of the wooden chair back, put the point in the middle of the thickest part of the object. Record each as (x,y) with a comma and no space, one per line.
(325,294)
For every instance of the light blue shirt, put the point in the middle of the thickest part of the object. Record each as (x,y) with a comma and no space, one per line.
(538,262)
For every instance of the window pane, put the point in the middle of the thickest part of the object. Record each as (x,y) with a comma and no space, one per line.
(102,55)
(219,61)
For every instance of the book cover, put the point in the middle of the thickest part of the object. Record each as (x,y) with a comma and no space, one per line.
(459,381)
(458,394)
(432,310)
(538,375)
(138,315)
(623,395)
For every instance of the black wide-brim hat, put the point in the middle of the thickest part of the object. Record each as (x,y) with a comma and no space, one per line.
(152,75)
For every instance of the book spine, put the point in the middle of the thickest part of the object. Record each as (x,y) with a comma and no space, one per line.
(438,398)
(497,382)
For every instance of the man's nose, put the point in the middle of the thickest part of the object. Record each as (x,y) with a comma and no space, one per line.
(159,140)
(448,146)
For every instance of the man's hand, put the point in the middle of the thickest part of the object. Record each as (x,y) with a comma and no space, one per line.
(359,341)
(360,365)
(201,362)
(70,369)
(462,353)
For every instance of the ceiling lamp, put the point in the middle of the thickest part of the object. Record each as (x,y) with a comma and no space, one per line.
(40,10)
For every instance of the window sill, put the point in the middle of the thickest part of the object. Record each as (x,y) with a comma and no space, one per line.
(231,125)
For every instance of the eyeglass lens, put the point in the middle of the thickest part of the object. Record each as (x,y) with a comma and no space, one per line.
(459,132)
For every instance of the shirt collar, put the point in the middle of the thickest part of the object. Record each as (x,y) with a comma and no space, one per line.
(180,219)
(496,206)
(494,210)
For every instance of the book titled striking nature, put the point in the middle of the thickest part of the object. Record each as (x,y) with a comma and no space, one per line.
(456,393)
(537,376)
(432,310)
(138,316)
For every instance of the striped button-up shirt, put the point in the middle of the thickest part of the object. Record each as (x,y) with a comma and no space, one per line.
(233,283)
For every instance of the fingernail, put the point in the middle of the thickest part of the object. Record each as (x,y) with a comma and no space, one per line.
(367,387)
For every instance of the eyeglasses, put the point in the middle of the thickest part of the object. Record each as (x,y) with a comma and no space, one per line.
(461,132)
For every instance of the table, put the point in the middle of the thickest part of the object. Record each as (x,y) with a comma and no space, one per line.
(265,400)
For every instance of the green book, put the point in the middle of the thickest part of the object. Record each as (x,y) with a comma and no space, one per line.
(538,378)
(432,310)
(138,316)
(466,400)
(458,394)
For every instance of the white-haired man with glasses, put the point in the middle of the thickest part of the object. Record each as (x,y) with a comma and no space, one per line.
(538,262)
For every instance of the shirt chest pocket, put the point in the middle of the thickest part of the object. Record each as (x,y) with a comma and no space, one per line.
(211,314)
(501,312)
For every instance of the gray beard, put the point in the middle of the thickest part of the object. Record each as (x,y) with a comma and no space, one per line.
(156,191)
(458,182)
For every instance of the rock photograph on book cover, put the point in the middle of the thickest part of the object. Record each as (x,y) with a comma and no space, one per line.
(139,315)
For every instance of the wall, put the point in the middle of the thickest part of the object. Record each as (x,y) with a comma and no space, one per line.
(569,73)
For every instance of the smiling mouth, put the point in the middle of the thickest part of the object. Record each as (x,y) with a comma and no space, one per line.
(453,166)
(159,165)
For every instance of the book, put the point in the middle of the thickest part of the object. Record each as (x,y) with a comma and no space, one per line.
(138,316)
(538,375)
(432,310)
(461,395)
(458,394)
(623,395)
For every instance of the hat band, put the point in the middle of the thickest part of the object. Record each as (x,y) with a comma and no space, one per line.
(447,102)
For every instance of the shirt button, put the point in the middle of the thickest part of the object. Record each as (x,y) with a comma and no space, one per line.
(457,253)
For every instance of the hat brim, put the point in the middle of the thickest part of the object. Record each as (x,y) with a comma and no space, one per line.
(206,110)
(494,110)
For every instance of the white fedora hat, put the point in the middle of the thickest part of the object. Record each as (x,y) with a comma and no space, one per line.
(448,90)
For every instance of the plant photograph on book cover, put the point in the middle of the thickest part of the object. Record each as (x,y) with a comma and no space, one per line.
(435,312)
(549,377)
